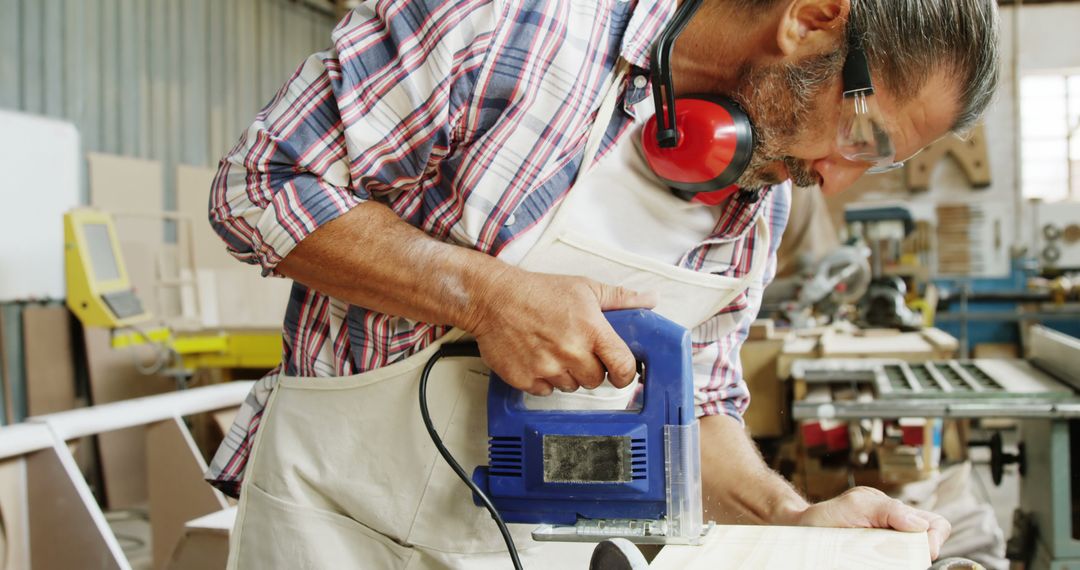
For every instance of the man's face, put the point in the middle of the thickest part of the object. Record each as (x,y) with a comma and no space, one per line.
(795,109)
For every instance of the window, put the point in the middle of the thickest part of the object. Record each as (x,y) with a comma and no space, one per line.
(1050,133)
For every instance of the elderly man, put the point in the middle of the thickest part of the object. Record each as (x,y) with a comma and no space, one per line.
(474,169)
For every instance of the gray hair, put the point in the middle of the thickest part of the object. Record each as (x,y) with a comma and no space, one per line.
(908,40)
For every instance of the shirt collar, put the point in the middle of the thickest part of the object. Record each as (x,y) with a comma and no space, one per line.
(648,20)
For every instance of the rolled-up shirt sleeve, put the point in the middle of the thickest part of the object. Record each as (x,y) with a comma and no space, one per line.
(720,387)
(371,116)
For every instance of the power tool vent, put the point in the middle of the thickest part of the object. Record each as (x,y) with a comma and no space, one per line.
(505,455)
(639,462)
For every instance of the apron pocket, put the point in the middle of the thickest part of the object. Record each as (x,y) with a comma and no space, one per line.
(687,297)
(593,247)
(280,534)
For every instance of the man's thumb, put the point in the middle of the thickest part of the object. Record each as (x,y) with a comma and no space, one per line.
(612,297)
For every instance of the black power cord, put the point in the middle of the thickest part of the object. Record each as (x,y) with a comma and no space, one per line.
(449,351)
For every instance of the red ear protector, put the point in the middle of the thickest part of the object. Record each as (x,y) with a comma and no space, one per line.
(702,147)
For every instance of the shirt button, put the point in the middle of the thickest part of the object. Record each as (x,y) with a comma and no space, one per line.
(640,81)
(511,219)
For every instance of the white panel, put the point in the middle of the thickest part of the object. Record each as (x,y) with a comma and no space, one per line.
(40,183)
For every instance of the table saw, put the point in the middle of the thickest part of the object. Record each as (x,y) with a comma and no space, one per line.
(1042,391)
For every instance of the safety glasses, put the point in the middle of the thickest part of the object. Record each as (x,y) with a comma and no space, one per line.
(861,136)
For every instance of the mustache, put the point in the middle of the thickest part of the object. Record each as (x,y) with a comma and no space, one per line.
(762,172)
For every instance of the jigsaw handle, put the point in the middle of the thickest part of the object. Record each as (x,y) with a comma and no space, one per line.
(660,345)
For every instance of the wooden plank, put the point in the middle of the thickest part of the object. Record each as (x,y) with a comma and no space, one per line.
(970,154)
(67,528)
(996,350)
(178,492)
(224,419)
(205,544)
(113,377)
(192,194)
(14,510)
(768,407)
(794,548)
(241,298)
(50,363)
(121,184)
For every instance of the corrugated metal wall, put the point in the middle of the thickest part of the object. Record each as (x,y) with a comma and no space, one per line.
(170,80)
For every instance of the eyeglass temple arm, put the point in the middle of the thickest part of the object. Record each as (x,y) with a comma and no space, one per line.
(856,73)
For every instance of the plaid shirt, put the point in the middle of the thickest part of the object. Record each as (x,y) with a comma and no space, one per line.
(469,119)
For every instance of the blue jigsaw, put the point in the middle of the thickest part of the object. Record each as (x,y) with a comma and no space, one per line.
(590,475)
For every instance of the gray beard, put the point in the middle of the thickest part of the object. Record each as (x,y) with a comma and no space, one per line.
(779,100)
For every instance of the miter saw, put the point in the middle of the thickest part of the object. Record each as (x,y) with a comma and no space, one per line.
(840,278)
(594,475)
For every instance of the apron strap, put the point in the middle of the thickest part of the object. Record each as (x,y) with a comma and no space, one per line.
(603,115)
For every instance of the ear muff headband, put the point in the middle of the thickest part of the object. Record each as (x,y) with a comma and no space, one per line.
(705,143)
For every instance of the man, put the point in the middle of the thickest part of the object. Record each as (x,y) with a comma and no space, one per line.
(431,177)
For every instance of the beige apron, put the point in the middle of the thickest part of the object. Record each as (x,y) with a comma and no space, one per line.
(343,473)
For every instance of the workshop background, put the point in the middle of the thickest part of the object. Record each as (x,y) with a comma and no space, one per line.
(913,341)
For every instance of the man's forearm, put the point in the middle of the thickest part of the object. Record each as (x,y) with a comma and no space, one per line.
(537,331)
(737,486)
(371,258)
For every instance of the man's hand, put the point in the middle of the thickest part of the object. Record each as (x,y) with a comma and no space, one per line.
(866,507)
(541,332)
(762,496)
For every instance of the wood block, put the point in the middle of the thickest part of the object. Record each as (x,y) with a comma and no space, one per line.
(67,529)
(996,350)
(970,154)
(123,185)
(113,377)
(945,345)
(50,366)
(178,492)
(241,298)
(14,515)
(769,408)
(761,329)
(192,196)
(205,543)
(794,548)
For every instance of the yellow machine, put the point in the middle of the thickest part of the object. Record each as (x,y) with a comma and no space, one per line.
(98,289)
(100,294)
